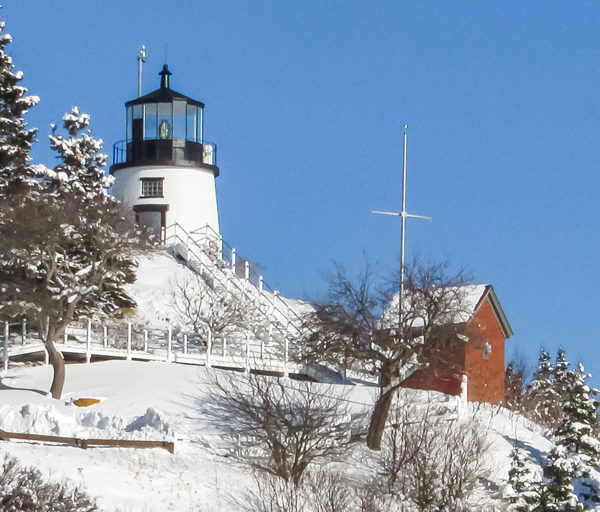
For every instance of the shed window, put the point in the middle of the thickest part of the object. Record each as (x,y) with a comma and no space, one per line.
(487,349)
(152,187)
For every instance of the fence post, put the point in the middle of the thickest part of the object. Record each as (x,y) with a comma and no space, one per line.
(104,336)
(185,343)
(246,270)
(24,331)
(169,343)
(128,341)
(224,346)
(65,335)
(261,283)
(247,352)
(208,347)
(46,357)
(145,340)
(233,258)
(88,342)
(6,333)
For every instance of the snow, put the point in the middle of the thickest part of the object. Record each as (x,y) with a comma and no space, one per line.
(163,401)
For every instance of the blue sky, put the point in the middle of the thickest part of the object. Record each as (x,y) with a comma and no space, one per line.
(306,102)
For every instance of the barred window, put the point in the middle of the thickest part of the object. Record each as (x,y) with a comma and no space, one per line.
(152,187)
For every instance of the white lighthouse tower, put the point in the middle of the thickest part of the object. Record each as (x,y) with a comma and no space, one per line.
(165,170)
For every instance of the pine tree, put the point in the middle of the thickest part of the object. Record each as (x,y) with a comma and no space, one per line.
(15,138)
(575,434)
(513,387)
(559,472)
(69,250)
(523,493)
(544,369)
(560,376)
(541,392)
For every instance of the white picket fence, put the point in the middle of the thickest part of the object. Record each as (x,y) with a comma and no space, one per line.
(133,342)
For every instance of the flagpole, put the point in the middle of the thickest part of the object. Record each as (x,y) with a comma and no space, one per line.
(402,243)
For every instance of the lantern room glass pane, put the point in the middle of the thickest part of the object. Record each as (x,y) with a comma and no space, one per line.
(200,128)
(138,111)
(192,113)
(165,120)
(150,124)
(129,116)
(179,119)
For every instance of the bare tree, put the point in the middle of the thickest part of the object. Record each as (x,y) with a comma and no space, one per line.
(200,308)
(322,490)
(293,423)
(25,490)
(370,326)
(432,460)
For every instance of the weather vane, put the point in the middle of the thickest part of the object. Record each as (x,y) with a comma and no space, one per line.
(141,58)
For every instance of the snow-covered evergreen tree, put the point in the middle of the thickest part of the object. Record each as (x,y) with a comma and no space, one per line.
(560,375)
(514,392)
(575,434)
(523,493)
(15,138)
(81,170)
(541,395)
(559,471)
(544,369)
(68,251)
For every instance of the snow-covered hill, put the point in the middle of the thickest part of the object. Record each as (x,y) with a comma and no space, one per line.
(164,401)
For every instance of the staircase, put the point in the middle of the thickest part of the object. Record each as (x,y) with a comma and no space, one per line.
(225,272)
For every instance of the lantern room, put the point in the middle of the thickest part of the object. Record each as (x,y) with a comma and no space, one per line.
(165,126)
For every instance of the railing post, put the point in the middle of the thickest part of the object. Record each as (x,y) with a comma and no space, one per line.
(286,353)
(128,341)
(145,340)
(24,331)
(6,333)
(185,338)
(224,346)
(169,343)
(286,357)
(105,336)
(246,270)
(65,335)
(261,283)
(88,341)
(233,258)
(221,247)
(208,347)
(247,352)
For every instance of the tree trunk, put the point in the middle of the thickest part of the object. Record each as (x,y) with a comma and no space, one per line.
(379,419)
(58,364)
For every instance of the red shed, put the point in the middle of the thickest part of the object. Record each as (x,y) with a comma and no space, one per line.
(476,358)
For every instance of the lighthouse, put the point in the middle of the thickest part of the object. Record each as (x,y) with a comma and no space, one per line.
(165,170)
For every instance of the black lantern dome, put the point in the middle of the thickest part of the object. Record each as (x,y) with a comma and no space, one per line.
(165,127)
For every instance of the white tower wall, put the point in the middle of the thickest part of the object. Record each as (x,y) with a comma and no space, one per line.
(188,192)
